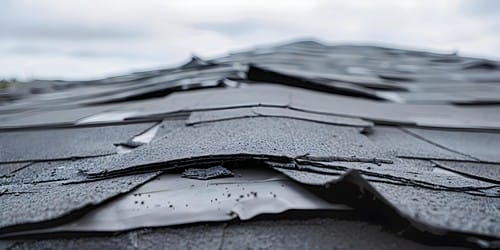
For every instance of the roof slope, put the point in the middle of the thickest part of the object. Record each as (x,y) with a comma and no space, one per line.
(374,133)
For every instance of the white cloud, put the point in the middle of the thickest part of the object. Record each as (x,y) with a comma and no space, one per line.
(93,38)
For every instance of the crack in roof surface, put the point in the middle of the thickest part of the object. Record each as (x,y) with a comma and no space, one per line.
(410,138)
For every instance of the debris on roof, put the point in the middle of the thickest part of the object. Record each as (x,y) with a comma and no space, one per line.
(207,173)
(169,200)
(335,138)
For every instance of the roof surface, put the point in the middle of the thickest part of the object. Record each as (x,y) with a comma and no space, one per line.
(338,146)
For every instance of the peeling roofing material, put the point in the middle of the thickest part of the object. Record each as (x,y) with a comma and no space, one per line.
(169,200)
(274,137)
(424,204)
(27,205)
(304,137)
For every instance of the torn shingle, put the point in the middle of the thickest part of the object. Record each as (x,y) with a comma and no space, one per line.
(416,173)
(252,136)
(451,210)
(374,128)
(169,200)
(30,206)
(261,74)
(442,211)
(47,171)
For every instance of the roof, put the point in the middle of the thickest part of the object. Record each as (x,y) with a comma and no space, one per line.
(302,139)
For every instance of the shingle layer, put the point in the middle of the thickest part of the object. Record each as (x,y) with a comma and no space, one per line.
(407,136)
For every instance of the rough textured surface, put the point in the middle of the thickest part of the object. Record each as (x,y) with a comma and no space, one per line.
(65,142)
(49,171)
(255,136)
(310,109)
(396,142)
(310,178)
(329,119)
(168,200)
(206,173)
(29,203)
(235,113)
(451,210)
(485,171)
(417,173)
(427,115)
(443,209)
(481,146)
(316,233)
(8,168)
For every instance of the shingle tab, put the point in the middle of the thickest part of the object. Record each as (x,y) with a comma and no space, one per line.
(411,137)
(251,136)
(64,143)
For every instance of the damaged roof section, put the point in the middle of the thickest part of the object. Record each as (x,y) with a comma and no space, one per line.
(410,137)
(169,200)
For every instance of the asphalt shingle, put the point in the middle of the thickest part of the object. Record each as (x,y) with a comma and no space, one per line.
(64,143)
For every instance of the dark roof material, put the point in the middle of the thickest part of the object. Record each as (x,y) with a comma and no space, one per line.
(408,139)
(65,143)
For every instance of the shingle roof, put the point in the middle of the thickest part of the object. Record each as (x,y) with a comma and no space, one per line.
(404,139)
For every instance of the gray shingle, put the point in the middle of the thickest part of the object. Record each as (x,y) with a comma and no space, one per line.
(64,143)
(32,204)
(251,136)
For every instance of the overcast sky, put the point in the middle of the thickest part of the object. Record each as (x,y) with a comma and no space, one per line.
(94,38)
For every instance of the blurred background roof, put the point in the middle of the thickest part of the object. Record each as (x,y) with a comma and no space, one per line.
(89,39)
